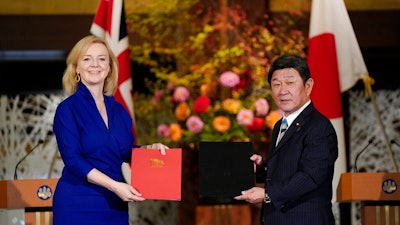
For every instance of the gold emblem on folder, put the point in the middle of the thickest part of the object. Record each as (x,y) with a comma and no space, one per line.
(155,162)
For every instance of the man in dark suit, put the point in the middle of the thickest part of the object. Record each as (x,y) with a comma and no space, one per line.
(299,169)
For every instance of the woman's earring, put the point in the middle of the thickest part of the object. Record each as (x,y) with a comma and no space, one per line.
(78,77)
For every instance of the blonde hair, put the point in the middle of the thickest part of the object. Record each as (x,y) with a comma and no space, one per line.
(69,81)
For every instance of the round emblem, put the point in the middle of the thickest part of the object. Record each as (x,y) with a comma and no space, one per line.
(44,192)
(389,186)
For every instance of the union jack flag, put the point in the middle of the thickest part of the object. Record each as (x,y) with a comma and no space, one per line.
(109,23)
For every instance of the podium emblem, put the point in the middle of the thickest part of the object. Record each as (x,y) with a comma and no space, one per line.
(44,192)
(389,186)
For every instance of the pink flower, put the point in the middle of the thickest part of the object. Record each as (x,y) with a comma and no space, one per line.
(181,94)
(157,96)
(163,131)
(245,117)
(154,101)
(194,124)
(229,79)
(262,107)
(170,86)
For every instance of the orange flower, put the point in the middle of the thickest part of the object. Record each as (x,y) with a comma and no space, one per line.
(176,132)
(231,105)
(208,89)
(273,117)
(182,111)
(221,123)
(205,90)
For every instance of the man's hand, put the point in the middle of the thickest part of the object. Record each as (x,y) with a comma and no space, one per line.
(257,161)
(253,195)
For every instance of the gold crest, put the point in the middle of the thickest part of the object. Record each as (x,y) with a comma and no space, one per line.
(155,162)
(44,192)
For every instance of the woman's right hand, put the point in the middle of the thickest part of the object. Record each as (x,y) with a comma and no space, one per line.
(127,193)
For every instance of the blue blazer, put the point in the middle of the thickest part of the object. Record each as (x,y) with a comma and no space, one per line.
(300,171)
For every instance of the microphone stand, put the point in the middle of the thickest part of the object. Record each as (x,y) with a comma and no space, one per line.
(358,155)
(394,142)
(16,167)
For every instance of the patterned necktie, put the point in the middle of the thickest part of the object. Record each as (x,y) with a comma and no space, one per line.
(284,126)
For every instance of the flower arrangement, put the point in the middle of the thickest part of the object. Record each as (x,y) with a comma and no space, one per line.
(210,117)
(210,65)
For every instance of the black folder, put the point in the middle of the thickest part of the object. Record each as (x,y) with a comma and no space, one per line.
(225,169)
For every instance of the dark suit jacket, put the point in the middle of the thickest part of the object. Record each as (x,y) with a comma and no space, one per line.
(300,172)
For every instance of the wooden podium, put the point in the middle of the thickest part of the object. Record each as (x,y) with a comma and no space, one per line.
(35,196)
(379,194)
(239,214)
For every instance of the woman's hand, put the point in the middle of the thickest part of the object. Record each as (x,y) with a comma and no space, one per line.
(159,146)
(127,193)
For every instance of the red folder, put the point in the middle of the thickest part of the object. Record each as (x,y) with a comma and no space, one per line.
(157,176)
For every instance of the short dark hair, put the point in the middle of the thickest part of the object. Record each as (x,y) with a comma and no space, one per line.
(290,61)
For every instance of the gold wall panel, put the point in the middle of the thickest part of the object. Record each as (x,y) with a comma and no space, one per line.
(284,5)
(82,7)
(66,7)
(47,7)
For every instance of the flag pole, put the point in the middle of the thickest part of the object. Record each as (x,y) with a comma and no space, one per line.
(110,23)
(368,81)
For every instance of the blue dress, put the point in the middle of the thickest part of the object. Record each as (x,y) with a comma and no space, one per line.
(85,142)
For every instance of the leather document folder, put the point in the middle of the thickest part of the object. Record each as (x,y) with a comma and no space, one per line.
(156,176)
(225,169)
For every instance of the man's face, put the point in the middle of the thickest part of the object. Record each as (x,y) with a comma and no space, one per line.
(289,91)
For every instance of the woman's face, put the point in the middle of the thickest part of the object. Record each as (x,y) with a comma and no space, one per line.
(94,65)
(289,91)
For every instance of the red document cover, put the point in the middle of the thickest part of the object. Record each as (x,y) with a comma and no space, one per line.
(157,176)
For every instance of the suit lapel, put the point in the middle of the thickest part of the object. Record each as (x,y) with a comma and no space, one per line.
(294,128)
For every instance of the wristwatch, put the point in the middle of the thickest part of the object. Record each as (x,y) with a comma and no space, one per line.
(267,199)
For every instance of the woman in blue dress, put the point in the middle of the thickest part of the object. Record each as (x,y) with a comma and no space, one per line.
(94,136)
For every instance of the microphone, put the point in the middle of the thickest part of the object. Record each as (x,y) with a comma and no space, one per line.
(358,155)
(16,167)
(394,142)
